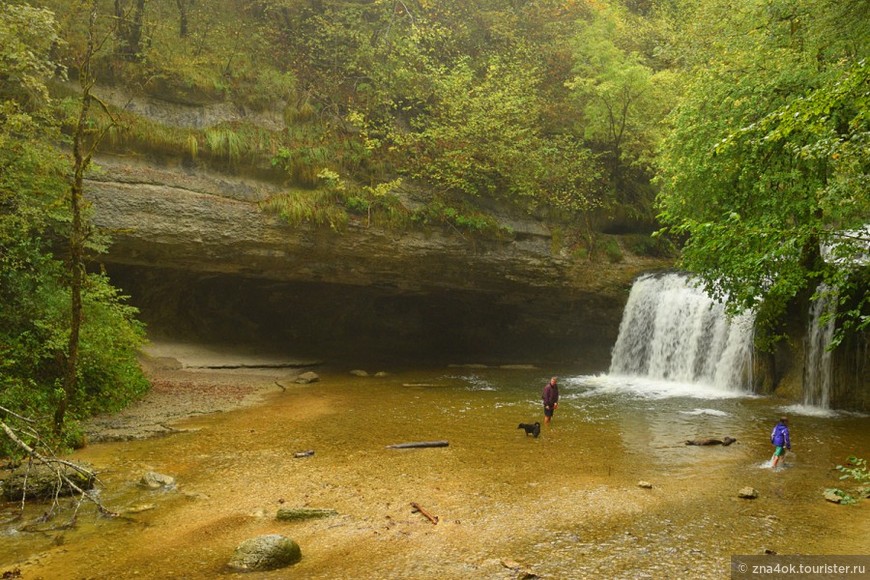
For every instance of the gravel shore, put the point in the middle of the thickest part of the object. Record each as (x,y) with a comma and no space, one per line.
(195,381)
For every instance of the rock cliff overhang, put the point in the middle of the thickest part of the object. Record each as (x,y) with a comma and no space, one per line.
(199,256)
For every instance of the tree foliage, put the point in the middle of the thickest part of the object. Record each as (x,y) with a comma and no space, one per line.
(34,274)
(622,101)
(767,160)
(482,137)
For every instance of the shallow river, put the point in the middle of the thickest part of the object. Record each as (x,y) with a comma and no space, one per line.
(564,505)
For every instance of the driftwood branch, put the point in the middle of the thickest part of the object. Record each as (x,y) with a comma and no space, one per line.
(430,517)
(418,444)
(726,441)
(52,463)
(16,415)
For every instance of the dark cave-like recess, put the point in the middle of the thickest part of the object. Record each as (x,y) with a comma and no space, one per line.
(352,323)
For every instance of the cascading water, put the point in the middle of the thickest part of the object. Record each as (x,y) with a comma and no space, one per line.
(817,364)
(674,331)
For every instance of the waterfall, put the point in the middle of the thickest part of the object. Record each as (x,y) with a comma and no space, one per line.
(674,331)
(817,357)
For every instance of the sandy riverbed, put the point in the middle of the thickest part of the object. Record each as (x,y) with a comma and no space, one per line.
(566,505)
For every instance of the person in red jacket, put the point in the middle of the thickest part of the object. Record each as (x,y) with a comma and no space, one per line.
(551,399)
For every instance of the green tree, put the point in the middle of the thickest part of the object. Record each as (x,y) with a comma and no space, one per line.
(36,305)
(622,101)
(482,138)
(767,161)
(129,28)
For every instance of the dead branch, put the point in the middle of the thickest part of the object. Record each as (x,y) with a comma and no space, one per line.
(430,517)
(16,415)
(418,444)
(52,463)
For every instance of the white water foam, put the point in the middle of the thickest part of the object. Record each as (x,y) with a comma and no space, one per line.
(713,412)
(820,332)
(656,389)
(673,331)
(822,412)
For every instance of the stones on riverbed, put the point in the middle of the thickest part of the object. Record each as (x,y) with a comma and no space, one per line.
(832,496)
(522,572)
(307,378)
(296,514)
(262,553)
(301,454)
(154,481)
(644,484)
(747,493)
(362,373)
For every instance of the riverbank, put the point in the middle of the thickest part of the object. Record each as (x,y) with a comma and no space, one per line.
(188,380)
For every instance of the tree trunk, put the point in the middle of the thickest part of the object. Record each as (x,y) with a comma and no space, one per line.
(129,29)
(78,233)
(183,6)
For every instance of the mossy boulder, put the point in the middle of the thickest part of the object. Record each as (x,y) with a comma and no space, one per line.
(268,552)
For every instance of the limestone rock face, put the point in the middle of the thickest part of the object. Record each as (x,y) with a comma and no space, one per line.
(211,223)
(194,249)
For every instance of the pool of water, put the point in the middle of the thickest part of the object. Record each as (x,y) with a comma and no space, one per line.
(564,505)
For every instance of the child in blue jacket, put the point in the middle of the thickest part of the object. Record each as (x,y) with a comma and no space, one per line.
(781,440)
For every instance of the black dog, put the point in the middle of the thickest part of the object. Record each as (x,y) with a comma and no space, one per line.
(531,428)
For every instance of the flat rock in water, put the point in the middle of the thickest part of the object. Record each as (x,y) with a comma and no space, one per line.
(308,377)
(747,493)
(644,484)
(154,480)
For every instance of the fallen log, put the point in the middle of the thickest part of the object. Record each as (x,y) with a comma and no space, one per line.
(418,444)
(726,441)
(430,517)
(292,514)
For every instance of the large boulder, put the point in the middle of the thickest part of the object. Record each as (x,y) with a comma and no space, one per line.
(268,552)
